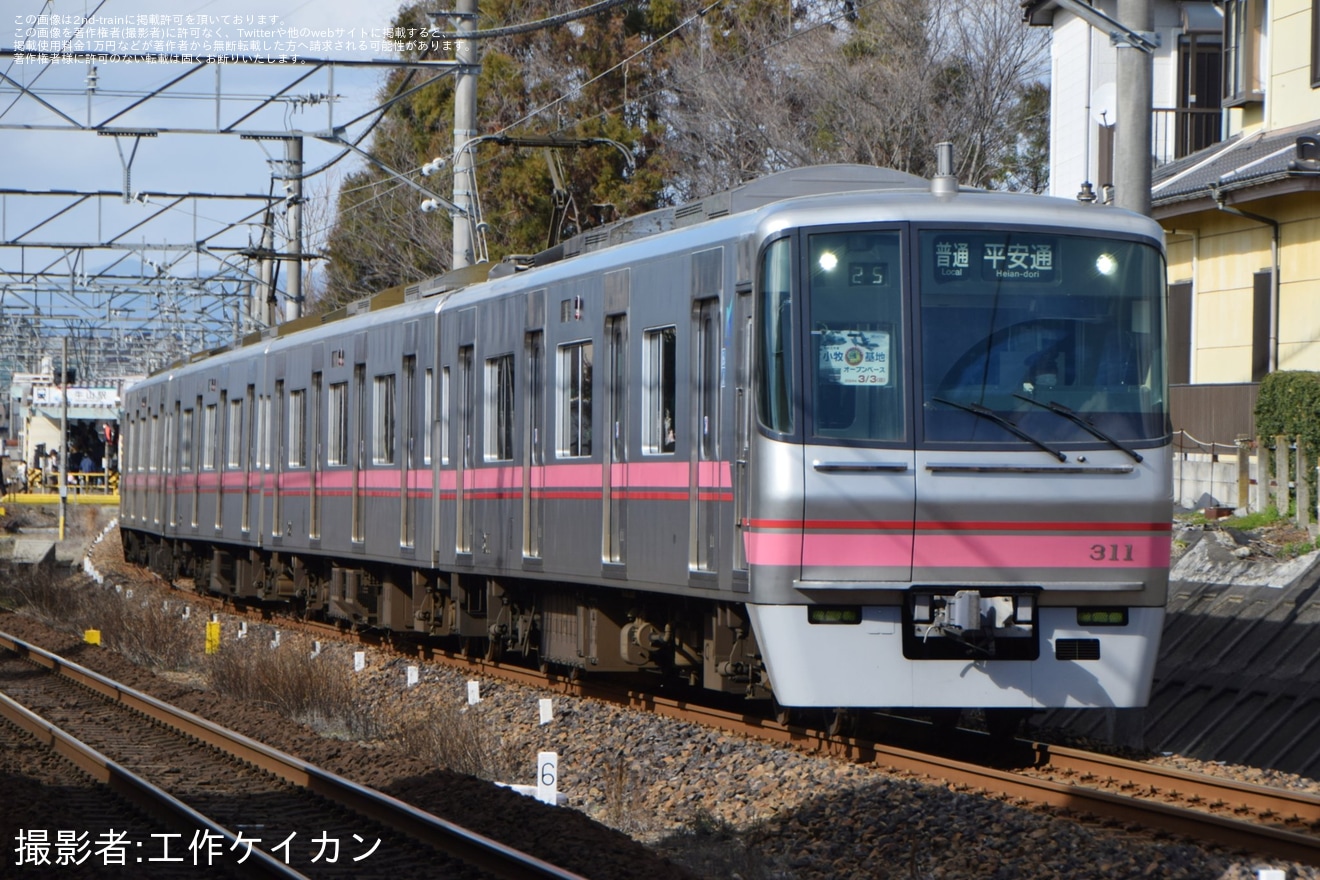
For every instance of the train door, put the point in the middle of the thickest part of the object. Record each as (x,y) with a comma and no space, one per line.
(281,419)
(194,465)
(221,459)
(314,475)
(616,467)
(162,461)
(407,516)
(705,486)
(742,431)
(466,427)
(859,466)
(534,458)
(250,441)
(359,447)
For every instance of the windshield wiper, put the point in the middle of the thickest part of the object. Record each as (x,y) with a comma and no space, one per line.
(1084,424)
(986,413)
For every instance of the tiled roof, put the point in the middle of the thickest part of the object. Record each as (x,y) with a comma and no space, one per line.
(1238,163)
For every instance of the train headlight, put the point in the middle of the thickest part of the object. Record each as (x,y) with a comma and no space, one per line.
(1102,617)
(834,614)
(923,608)
(1105,264)
(828,261)
(1024,608)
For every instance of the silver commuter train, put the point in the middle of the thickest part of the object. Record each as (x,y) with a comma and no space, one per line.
(840,436)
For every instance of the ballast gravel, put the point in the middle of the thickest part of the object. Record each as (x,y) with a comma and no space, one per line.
(654,797)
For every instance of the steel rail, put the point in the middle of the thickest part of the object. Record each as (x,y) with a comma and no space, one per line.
(1195,822)
(1213,792)
(149,798)
(473,848)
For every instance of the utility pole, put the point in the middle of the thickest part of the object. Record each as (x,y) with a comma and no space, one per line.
(263,309)
(293,167)
(64,434)
(1133,34)
(1132,159)
(465,129)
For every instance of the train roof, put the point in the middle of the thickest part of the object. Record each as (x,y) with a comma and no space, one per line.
(811,195)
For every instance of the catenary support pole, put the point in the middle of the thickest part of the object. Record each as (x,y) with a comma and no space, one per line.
(293,168)
(1132,160)
(465,129)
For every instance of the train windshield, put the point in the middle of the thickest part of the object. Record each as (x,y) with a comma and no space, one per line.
(1040,337)
(855,321)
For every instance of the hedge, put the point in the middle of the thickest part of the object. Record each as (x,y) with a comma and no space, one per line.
(1289,403)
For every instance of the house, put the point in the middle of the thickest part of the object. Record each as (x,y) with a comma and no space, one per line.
(1235,183)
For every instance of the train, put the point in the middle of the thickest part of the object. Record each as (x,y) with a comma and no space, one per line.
(841,436)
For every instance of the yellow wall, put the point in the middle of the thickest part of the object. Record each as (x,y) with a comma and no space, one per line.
(1229,251)
(1288,93)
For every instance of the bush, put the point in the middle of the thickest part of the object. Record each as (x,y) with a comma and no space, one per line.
(316,691)
(1289,404)
(459,739)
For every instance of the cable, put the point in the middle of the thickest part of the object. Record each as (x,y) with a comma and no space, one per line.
(529,26)
(642,51)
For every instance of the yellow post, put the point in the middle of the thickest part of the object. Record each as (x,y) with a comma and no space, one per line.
(92,637)
(212,636)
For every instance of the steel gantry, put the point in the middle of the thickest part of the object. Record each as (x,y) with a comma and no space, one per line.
(142,275)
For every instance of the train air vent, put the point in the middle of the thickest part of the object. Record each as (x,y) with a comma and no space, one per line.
(1077,649)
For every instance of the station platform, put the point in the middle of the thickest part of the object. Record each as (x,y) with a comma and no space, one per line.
(49,498)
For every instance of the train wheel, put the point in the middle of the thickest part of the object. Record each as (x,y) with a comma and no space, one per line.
(841,723)
(944,720)
(1004,724)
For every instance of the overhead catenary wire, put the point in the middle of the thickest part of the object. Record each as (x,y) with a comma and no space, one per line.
(528,26)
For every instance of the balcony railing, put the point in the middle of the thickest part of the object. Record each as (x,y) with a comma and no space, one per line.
(1179,132)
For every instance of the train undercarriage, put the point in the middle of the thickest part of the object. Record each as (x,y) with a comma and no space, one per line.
(570,626)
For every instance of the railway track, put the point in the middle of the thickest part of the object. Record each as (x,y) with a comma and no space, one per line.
(225,790)
(1219,811)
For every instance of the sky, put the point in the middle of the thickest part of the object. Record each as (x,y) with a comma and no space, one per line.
(76,160)
(34,158)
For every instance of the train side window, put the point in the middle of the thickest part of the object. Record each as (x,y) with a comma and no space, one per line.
(186,441)
(263,432)
(234,435)
(659,391)
(499,408)
(298,428)
(774,338)
(337,445)
(209,434)
(382,444)
(575,400)
(444,415)
(428,412)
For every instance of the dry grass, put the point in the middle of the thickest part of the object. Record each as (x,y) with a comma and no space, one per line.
(143,631)
(458,739)
(315,690)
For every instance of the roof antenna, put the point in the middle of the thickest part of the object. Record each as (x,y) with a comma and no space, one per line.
(944,183)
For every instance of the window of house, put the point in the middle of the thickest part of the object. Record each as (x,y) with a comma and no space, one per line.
(1243,31)
(1315,44)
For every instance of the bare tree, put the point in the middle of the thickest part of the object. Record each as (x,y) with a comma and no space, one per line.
(879,84)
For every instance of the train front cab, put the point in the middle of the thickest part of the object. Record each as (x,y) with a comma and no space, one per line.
(960,491)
